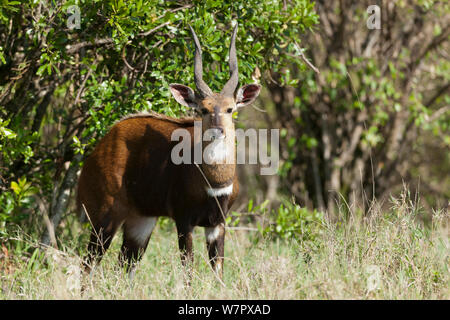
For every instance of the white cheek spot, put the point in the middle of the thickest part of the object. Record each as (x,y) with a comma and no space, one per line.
(141,229)
(217,192)
(212,233)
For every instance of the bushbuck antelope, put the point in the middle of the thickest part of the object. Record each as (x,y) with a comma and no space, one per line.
(130,179)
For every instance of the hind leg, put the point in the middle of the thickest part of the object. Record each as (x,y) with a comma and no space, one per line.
(100,240)
(136,234)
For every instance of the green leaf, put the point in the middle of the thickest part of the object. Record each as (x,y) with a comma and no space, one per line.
(15,187)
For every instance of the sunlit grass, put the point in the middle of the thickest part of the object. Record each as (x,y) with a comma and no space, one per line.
(382,256)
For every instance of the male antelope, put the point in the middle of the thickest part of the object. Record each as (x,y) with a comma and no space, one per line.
(129,180)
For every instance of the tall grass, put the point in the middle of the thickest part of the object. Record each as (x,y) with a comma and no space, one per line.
(383,255)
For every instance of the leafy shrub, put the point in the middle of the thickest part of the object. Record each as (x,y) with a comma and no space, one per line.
(292,222)
(15,204)
(289,221)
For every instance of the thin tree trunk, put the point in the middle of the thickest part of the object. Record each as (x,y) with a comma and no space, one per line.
(59,206)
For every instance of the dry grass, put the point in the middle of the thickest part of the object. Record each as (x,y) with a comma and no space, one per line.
(385,256)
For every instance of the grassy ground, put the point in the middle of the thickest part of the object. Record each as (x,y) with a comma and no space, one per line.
(386,256)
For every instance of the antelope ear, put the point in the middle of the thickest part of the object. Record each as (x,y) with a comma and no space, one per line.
(183,94)
(247,94)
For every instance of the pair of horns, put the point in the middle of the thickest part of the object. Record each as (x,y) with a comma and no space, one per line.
(230,86)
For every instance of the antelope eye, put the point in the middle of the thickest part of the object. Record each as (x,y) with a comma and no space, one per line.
(230,110)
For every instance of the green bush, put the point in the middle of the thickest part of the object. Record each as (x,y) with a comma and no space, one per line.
(62,88)
(293,222)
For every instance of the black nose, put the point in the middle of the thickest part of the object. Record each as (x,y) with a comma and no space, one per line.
(217,132)
(218,129)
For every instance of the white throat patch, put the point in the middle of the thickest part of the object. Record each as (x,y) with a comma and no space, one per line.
(217,192)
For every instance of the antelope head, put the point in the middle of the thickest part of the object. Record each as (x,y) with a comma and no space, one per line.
(217,109)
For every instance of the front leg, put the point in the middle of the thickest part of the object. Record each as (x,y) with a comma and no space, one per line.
(184,230)
(215,241)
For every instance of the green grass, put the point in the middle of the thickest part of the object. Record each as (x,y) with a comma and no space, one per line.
(389,255)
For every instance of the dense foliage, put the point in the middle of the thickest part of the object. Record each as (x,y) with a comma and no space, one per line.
(62,87)
(376,113)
